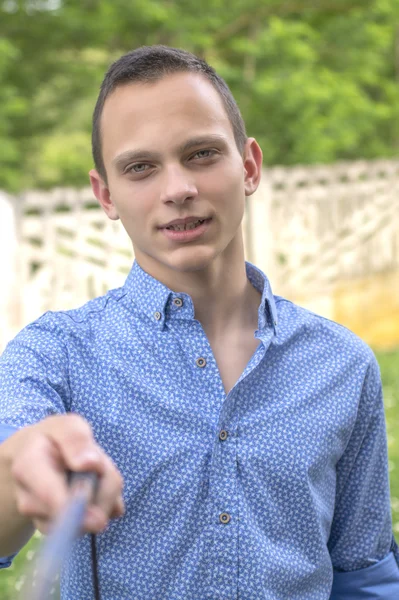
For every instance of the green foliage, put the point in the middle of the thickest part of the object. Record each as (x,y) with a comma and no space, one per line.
(11,107)
(316,81)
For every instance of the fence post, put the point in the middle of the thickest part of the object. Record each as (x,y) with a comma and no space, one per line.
(9,293)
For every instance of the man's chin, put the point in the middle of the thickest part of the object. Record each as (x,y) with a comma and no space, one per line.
(180,260)
(184,260)
(190,264)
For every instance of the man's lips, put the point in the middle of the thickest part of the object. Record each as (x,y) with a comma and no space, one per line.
(187,234)
(184,221)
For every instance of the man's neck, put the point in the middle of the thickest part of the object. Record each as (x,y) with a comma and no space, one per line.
(227,307)
(225,302)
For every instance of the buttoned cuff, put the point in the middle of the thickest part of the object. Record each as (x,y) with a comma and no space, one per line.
(6,431)
(6,562)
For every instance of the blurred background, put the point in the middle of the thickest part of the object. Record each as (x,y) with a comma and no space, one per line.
(318,86)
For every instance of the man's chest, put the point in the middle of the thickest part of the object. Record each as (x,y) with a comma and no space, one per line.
(232,356)
(158,409)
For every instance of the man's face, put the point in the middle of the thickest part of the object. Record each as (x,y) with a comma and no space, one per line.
(169,153)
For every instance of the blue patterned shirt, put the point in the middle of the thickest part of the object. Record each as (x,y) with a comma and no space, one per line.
(278,490)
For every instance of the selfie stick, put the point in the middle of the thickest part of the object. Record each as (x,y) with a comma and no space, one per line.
(59,542)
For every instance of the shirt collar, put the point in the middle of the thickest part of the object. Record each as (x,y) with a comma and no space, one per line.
(160,304)
(267,313)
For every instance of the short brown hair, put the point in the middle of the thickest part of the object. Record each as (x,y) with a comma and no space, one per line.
(149,64)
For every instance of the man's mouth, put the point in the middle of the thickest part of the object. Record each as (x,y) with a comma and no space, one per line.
(186,226)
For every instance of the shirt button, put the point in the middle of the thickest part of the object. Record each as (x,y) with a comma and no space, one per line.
(223,435)
(157,315)
(200,362)
(224,518)
(178,302)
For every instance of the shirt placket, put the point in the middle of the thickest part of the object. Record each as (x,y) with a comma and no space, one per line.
(223,499)
(224,513)
(224,508)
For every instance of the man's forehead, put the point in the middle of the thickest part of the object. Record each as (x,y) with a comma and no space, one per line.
(176,90)
(169,112)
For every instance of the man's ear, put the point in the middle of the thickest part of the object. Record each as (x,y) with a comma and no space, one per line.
(102,193)
(252,158)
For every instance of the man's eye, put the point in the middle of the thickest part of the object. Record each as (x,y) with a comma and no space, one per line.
(204,154)
(138,168)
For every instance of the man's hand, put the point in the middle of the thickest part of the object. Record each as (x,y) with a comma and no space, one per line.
(40,460)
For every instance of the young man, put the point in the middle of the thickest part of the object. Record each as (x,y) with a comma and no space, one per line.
(249,433)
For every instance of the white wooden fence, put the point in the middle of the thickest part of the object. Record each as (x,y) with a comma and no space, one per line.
(334,223)
(306,227)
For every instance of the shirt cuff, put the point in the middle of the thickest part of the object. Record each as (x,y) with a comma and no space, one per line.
(5,432)
(379,582)
(6,562)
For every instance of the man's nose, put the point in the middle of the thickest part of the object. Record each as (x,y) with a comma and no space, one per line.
(178,185)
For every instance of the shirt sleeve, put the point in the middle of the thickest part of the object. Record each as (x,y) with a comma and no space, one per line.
(34,380)
(34,369)
(363,550)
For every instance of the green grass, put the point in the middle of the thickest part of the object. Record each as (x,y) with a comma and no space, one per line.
(11,578)
(389,364)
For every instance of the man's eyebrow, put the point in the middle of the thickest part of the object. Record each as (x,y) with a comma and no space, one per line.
(131,155)
(202,140)
(143,155)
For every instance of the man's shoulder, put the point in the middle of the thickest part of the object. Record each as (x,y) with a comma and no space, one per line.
(89,311)
(61,324)
(296,320)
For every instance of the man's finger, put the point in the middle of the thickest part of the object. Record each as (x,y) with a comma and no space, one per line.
(74,438)
(110,488)
(41,476)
